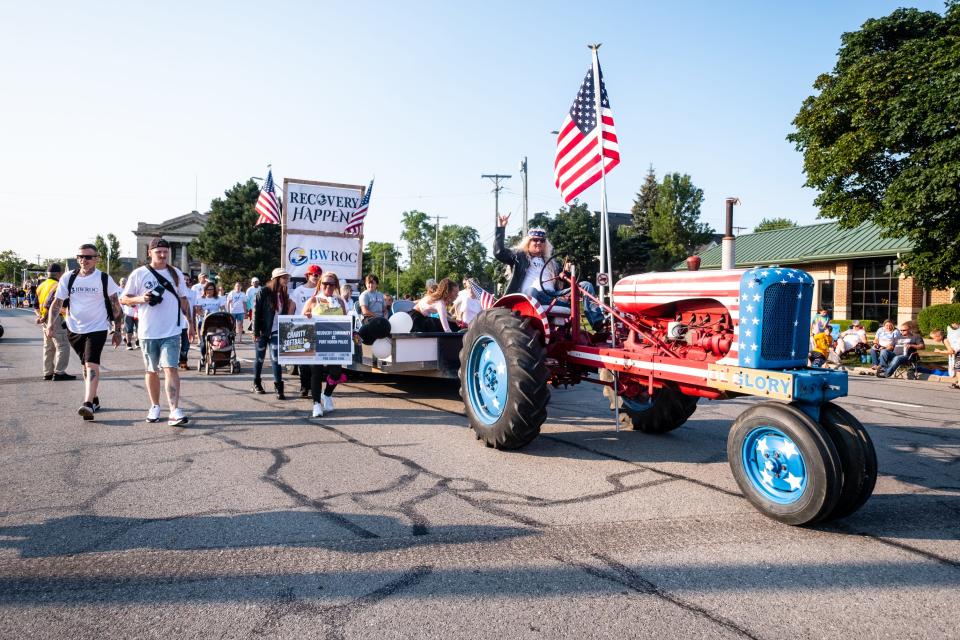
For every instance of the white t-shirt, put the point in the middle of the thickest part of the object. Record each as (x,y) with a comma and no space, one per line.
(209,305)
(953,337)
(236,302)
(192,302)
(88,313)
(532,277)
(198,288)
(160,320)
(466,306)
(300,296)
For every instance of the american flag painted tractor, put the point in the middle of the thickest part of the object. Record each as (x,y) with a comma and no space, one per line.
(798,457)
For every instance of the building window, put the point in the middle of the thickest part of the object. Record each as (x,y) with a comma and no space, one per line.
(825,299)
(875,287)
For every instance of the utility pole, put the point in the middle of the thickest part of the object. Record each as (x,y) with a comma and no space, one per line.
(523,174)
(496,177)
(436,245)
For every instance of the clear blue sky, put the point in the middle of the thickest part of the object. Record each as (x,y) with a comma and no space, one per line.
(112,110)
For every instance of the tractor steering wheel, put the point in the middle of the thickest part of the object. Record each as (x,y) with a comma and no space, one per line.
(557,278)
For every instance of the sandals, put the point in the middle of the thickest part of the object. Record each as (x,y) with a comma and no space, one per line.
(955,385)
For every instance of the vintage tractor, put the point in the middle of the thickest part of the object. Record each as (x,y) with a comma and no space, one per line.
(677,337)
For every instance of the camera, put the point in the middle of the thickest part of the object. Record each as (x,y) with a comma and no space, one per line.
(156,295)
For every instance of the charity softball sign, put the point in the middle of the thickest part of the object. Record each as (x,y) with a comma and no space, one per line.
(318,340)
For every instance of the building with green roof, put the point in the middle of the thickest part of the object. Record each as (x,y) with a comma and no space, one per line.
(856,270)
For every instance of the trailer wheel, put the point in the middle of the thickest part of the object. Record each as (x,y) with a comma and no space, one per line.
(503,379)
(858,458)
(667,410)
(785,463)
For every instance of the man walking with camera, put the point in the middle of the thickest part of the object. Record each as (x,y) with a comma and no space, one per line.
(160,292)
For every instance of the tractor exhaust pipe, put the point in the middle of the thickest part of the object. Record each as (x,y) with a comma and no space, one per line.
(727,252)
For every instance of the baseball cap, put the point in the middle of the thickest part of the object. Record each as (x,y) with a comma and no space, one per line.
(159,243)
(54,267)
(254,279)
(279,272)
(314,269)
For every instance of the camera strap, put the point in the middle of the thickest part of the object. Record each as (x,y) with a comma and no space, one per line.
(169,287)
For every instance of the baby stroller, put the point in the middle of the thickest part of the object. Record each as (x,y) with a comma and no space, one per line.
(217,335)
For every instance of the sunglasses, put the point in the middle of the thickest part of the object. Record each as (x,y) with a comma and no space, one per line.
(537,240)
(328,284)
(81,256)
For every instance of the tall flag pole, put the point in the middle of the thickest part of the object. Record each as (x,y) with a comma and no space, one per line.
(587,147)
(268,207)
(355,223)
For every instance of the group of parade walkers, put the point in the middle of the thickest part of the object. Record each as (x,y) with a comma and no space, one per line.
(156,310)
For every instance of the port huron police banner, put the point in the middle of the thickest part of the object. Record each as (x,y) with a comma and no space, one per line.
(319,207)
(332,253)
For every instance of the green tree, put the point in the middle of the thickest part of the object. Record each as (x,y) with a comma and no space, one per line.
(459,253)
(675,227)
(646,202)
(233,243)
(381,258)
(772,224)
(11,266)
(109,251)
(880,140)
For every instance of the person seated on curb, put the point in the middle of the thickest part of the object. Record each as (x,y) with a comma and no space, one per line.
(527,260)
(822,342)
(851,338)
(908,345)
(884,342)
(938,335)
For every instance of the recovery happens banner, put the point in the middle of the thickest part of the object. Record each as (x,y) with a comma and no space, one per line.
(323,207)
(332,253)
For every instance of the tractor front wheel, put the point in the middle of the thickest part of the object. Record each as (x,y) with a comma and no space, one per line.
(503,379)
(785,463)
(858,458)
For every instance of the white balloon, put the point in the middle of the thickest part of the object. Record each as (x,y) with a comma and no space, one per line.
(401,322)
(382,348)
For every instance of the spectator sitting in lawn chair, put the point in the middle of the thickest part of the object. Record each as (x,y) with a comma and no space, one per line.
(853,339)
(883,344)
(905,354)
(822,343)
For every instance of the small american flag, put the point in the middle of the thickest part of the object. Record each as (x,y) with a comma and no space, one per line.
(355,224)
(576,165)
(485,297)
(267,206)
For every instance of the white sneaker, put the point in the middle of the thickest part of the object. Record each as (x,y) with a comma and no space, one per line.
(317,410)
(327,403)
(177,418)
(154,414)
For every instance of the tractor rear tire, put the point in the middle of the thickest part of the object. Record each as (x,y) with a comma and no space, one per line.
(503,379)
(858,458)
(667,410)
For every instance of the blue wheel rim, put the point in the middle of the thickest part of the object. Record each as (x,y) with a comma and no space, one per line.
(774,465)
(487,380)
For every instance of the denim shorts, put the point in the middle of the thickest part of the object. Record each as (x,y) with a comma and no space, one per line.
(237,317)
(161,353)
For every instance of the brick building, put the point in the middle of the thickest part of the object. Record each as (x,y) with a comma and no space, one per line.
(855,270)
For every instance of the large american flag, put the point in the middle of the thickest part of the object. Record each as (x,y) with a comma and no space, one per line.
(268,207)
(485,297)
(577,162)
(355,224)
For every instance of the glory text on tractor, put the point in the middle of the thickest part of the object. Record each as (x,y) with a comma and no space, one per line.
(677,337)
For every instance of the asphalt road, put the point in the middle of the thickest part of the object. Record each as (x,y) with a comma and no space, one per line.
(387,519)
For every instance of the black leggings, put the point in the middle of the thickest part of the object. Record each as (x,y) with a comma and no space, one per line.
(318,374)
